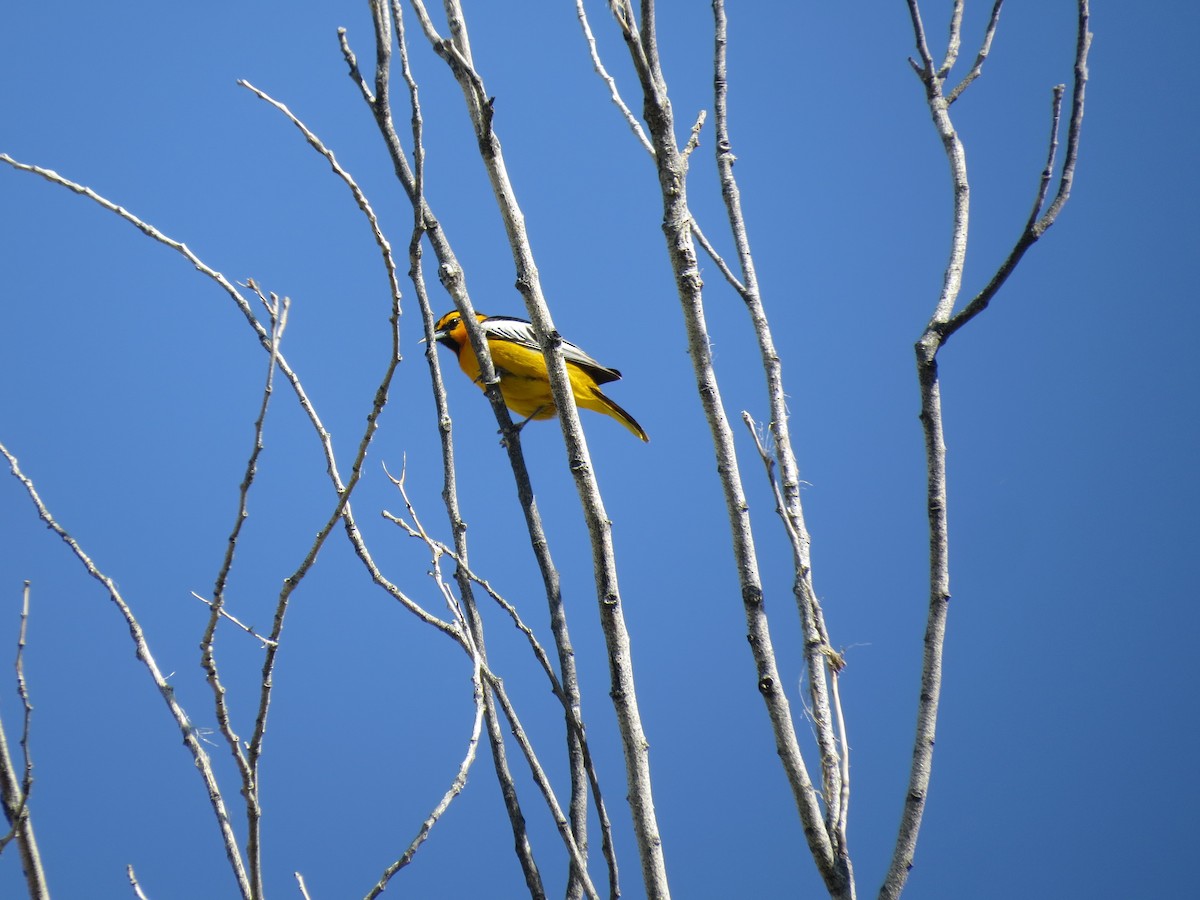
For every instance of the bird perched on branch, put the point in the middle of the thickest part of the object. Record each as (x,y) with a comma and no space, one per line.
(524,381)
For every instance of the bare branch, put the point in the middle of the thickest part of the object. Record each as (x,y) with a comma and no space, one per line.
(14,790)
(941,326)
(452,277)
(23,693)
(460,779)
(359,197)
(619,12)
(341,509)
(225,614)
(954,42)
(694,140)
(565,827)
(835,667)
(623,691)
(190,736)
(133,882)
(984,49)
(277,311)
(569,707)
(1039,222)
(634,125)
(437,550)
(716,257)
(914,12)
(243,305)
(1028,237)
(818,654)
(1083,43)
(827,844)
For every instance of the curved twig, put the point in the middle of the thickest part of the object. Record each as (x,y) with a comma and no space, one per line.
(191,738)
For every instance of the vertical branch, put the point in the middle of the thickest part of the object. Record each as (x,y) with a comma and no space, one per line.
(678,227)
(341,511)
(277,311)
(935,460)
(455,53)
(941,325)
(451,275)
(954,42)
(14,790)
(424,224)
(816,640)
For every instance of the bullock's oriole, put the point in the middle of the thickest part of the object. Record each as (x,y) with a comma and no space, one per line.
(524,382)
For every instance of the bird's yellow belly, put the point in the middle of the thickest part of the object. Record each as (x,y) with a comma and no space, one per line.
(526,396)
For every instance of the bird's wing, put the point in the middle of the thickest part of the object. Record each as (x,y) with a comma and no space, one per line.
(518,331)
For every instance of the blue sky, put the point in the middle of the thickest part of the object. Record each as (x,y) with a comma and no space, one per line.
(1066,745)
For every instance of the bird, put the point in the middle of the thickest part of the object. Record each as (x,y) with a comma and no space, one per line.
(521,367)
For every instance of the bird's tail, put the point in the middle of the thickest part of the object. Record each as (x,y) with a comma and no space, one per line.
(609,408)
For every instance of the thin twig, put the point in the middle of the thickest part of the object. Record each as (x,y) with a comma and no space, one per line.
(1039,222)
(243,305)
(359,197)
(516,727)
(914,12)
(564,825)
(984,49)
(817,649)
(14,791)
(23,693)
(438,549)
(634,125)
(191,737)
(133,882)
(694,139)
(225,614)
(619,11)
(341,509)
(718,259)
(302,886)
(460,779)
(954,42)
(835,694)
(277,311)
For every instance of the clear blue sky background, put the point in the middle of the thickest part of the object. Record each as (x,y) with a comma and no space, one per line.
(1066,752)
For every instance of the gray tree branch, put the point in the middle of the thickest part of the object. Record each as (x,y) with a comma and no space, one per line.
(941,325)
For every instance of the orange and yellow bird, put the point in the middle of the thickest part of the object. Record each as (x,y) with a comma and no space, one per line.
(524,381)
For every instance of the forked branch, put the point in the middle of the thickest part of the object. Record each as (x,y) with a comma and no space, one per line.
(941,325)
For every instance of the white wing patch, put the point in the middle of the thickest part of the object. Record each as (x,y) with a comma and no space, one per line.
(518,331)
